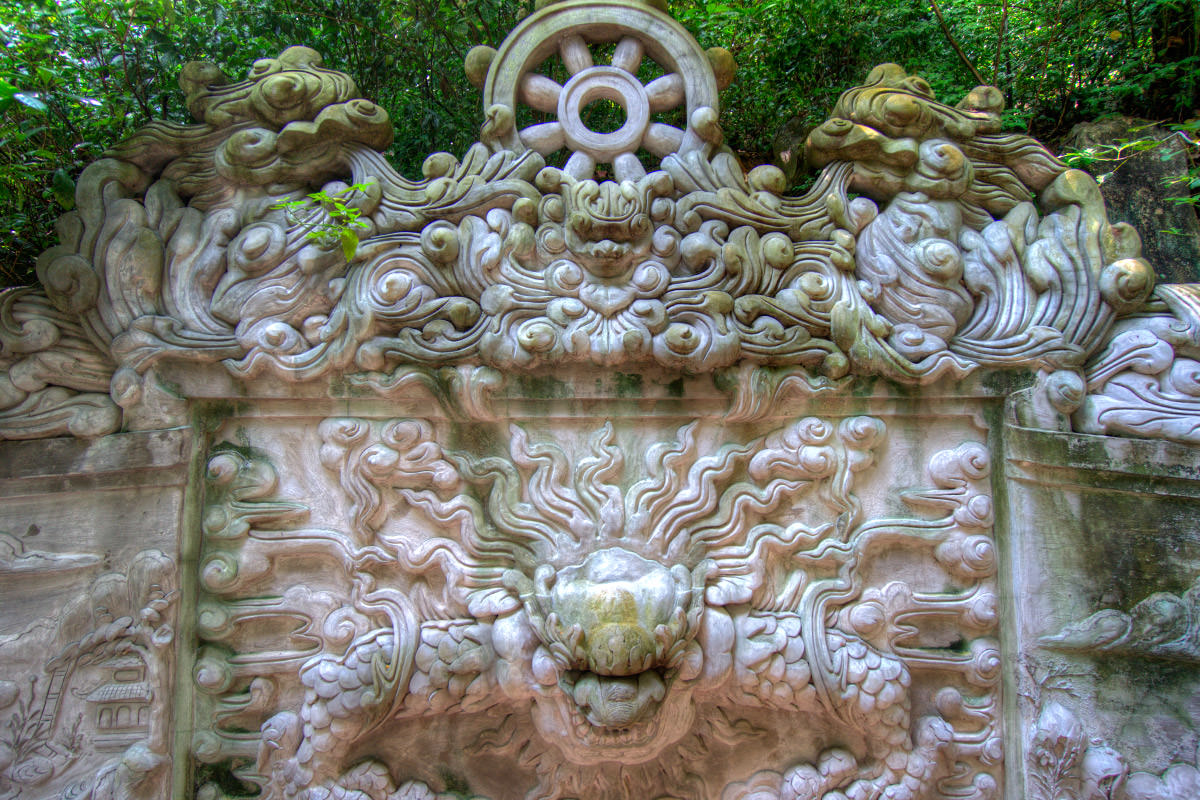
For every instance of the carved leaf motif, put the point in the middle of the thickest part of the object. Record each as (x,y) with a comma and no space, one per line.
(1055,752)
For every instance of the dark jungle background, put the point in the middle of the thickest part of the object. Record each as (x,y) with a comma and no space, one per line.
(78,75)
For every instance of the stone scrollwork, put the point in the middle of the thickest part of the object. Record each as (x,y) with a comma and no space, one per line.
(1146,380)
(179,250)
(613,617)
(53,380)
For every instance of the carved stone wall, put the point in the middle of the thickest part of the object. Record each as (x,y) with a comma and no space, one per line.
(1106,538)
(512,482)
(90,547)
(645,605)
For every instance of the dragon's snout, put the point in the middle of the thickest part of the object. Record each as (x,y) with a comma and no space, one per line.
(618,702)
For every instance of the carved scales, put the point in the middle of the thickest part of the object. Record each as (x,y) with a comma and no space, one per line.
(592,490)
(606,624)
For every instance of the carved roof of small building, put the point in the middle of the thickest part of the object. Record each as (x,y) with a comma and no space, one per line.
(121,692)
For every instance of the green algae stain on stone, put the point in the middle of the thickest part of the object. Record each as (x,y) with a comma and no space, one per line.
(628,384)
(1004,382)
(544,387)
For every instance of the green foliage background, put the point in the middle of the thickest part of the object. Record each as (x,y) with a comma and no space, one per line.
(78,75)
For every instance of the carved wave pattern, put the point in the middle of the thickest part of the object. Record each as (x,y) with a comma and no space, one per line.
(179,249)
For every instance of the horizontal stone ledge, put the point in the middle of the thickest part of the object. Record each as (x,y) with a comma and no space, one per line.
(163,454)
(1103,462)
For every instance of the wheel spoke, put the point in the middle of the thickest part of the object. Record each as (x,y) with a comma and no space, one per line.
(575,53)
(662,140)
(580,165)
(665,93)
(538,91)
(628,55)
(628,168)
(544,138)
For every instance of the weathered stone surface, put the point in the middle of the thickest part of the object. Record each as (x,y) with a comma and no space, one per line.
(670,486)
(90,541)
(1104,541)
(1139,190)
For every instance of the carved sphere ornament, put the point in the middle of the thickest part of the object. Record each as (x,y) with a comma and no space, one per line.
(589,465)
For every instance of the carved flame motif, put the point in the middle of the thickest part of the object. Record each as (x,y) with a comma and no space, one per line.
(605,613)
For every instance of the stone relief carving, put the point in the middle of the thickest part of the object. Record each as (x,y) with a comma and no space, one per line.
(1064,764)
(742,598)
(179,252)
(53,379)
(1177,782)
(1162,625)
(18,559)
(1146,381)
(603,628)
(1067,764)
(105,690)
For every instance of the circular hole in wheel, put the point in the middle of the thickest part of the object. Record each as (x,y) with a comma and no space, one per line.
(603,116)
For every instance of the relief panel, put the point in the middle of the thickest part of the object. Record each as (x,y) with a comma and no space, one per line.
(611,612)
(589,464)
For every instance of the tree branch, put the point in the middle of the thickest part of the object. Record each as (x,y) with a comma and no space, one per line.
(1000,44)
(950,38)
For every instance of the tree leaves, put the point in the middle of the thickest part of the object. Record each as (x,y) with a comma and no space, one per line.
(63,188)
(7,93)
(337,223)
(30,100)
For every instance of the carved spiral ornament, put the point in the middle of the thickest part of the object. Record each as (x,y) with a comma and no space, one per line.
(569,30)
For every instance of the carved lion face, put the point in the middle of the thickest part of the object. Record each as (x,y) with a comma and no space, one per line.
(615,634)
(607,227)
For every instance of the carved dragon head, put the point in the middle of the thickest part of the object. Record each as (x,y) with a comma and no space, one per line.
(616,634)
(607,227)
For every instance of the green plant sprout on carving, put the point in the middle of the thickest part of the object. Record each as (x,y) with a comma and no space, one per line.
(343,218)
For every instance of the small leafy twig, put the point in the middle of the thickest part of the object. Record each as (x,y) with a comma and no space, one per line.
(344,219)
